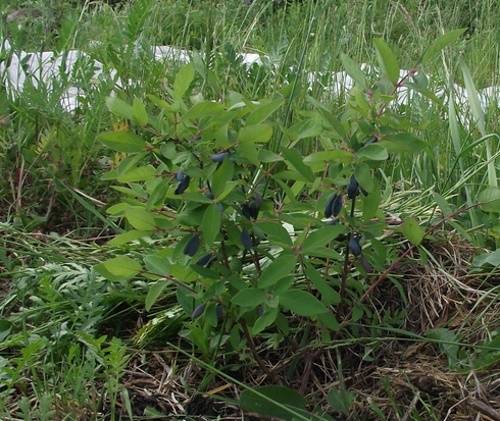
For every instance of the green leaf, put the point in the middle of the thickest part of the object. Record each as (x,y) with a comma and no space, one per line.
(139,112)
(340,400)
(210,224)
(403,143)
(140,218)
(274,401)
(304,129)
(119,107)
(490,258)
(387,60)
(352,68)
(302,303)
(158,193)
(267,319)
(473,97)
(371,203)
(295,160)
(344,157)
(412,231)
(250,297)
(160,103)
(282,266)
(230,185)
(448,343)
(275,233)
(127,237)
(374,152)
(137,174)
(154,293)
(5,328)
(183,80)
(321,237)
(125,398)
(441,42)
(118,209)
(488,353)
(453,125)
(157,264)
(199,338)
(442,203)
(478,114)
(364,177)
(123,141)
(222,175)
(328,295)
(119,268)
(204,109)
(248,151)
(329,321)
(257,133)
(263,111)
(357,313)
(489,199)
(266,156)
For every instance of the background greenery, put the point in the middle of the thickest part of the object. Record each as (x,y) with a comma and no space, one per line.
(58,357)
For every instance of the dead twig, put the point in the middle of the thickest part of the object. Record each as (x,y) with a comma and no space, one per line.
(484,409)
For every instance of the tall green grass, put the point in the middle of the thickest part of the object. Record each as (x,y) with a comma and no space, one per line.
(302,35)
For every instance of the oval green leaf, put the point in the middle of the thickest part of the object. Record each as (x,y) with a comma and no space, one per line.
(302,303)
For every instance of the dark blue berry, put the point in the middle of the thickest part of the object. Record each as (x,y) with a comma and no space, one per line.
(192,245)
(198,311)
(206,260)
(251,208)
(246,240)
(352,188)
(219,157)
(183,184)
(355,246)
(180,175)
(333,206)
(219,312)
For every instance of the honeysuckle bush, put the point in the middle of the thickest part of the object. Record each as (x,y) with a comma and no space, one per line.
(254,234)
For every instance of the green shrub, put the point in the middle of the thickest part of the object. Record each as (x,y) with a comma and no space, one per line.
(251,232)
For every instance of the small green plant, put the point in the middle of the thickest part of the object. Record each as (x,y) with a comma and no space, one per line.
(251,230)
(257,238)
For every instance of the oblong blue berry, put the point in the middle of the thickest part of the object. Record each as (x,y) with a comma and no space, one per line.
(251,208)
(180,175)
(245,239)
(192,245)
(206,260)
(198,311)
(354,246)
(352,188)
(183,185)
(337,205)
(333,206)
(329,204)
(219,312)
(219,157)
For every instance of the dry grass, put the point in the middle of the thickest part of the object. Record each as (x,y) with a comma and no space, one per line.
(402,378)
